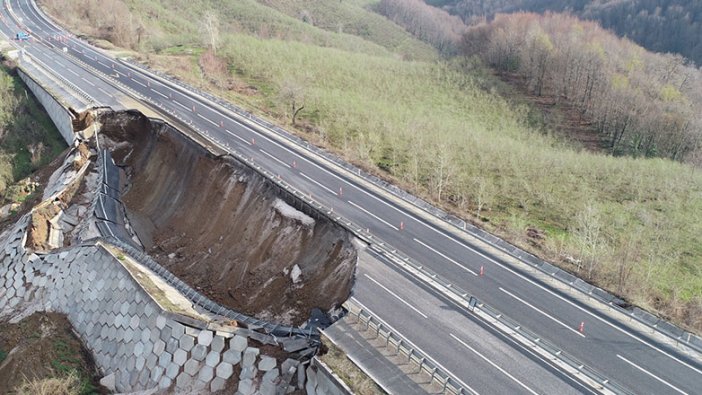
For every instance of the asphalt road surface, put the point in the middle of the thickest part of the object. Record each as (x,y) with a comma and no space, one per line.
(476,354)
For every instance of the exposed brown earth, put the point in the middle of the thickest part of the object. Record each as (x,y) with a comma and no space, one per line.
(220,227)
(43,346)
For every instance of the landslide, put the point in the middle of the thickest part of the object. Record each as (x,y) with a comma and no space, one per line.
(223,229)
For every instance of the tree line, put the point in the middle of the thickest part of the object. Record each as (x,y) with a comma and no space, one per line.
(642,104)
(427,23)
(657,25)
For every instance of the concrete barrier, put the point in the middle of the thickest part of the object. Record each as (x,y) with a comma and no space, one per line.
(63,119)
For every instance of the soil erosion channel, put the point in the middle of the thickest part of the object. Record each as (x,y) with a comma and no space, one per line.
(224,229)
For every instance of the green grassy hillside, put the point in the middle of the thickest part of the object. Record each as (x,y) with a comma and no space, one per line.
(389,103)
(28,138)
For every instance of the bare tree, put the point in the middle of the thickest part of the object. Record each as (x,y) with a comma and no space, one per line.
(210,24)
(293,93)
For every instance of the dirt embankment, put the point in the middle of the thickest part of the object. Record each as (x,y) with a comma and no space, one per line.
(41,352)
(222,229)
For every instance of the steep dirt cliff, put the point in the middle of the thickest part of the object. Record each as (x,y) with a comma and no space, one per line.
(223,229)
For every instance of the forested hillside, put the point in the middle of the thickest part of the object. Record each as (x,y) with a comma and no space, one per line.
(640,103)
(657,25)
(346,78)
(28,138)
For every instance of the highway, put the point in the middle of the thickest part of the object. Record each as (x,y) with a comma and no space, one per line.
(448,334)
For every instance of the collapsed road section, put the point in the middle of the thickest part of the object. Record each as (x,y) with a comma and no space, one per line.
(222,228)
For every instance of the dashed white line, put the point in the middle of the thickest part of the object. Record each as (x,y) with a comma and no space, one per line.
(207,119)
(182,105)
(486,359)
(373,215)
(87,81)
(103,91)
(71,71)
(652,375)
(414,346)
(318,184)
(416,310)
(144,85)
(275,159)
(446,257)
(542,312)
(237,136)
(155,91)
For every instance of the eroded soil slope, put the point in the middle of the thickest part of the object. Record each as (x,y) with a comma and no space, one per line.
(43,350)
(223,229)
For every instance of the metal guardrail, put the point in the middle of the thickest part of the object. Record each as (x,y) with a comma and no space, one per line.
(445,287)
(194,296)
(449,384)
(668,329)
(457,294)
(655,323)
(558,353)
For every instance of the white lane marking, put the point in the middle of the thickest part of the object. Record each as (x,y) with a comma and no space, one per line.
(87,81)
(414,346)
(652,375)
(237,136)
(506,373)
(182,105)
(631,335)
(103,64)
(416,310)
(541,311)
(373,215)
(407,213)
(71,71)
(103,91)
(274,158)
(207,119)
(446,257)
(155,91)
(144,85)
(318,183)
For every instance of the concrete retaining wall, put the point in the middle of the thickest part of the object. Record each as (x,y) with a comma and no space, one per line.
(61,116)
(139,341)
(322,381)
(134,341)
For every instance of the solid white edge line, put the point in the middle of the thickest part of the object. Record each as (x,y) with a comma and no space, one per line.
(542,312)
(388,326)
(438,231)
(506,373)
(652,375)
(446,257)
(416,310)
(373,215)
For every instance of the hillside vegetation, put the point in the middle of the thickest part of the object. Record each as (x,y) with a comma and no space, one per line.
(28,138)
(433,125)
(640,103)
(658,25)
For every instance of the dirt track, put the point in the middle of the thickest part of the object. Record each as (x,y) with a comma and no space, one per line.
(221,228)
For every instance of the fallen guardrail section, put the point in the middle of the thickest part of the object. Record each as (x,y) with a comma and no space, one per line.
(587,375)
(447,383)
